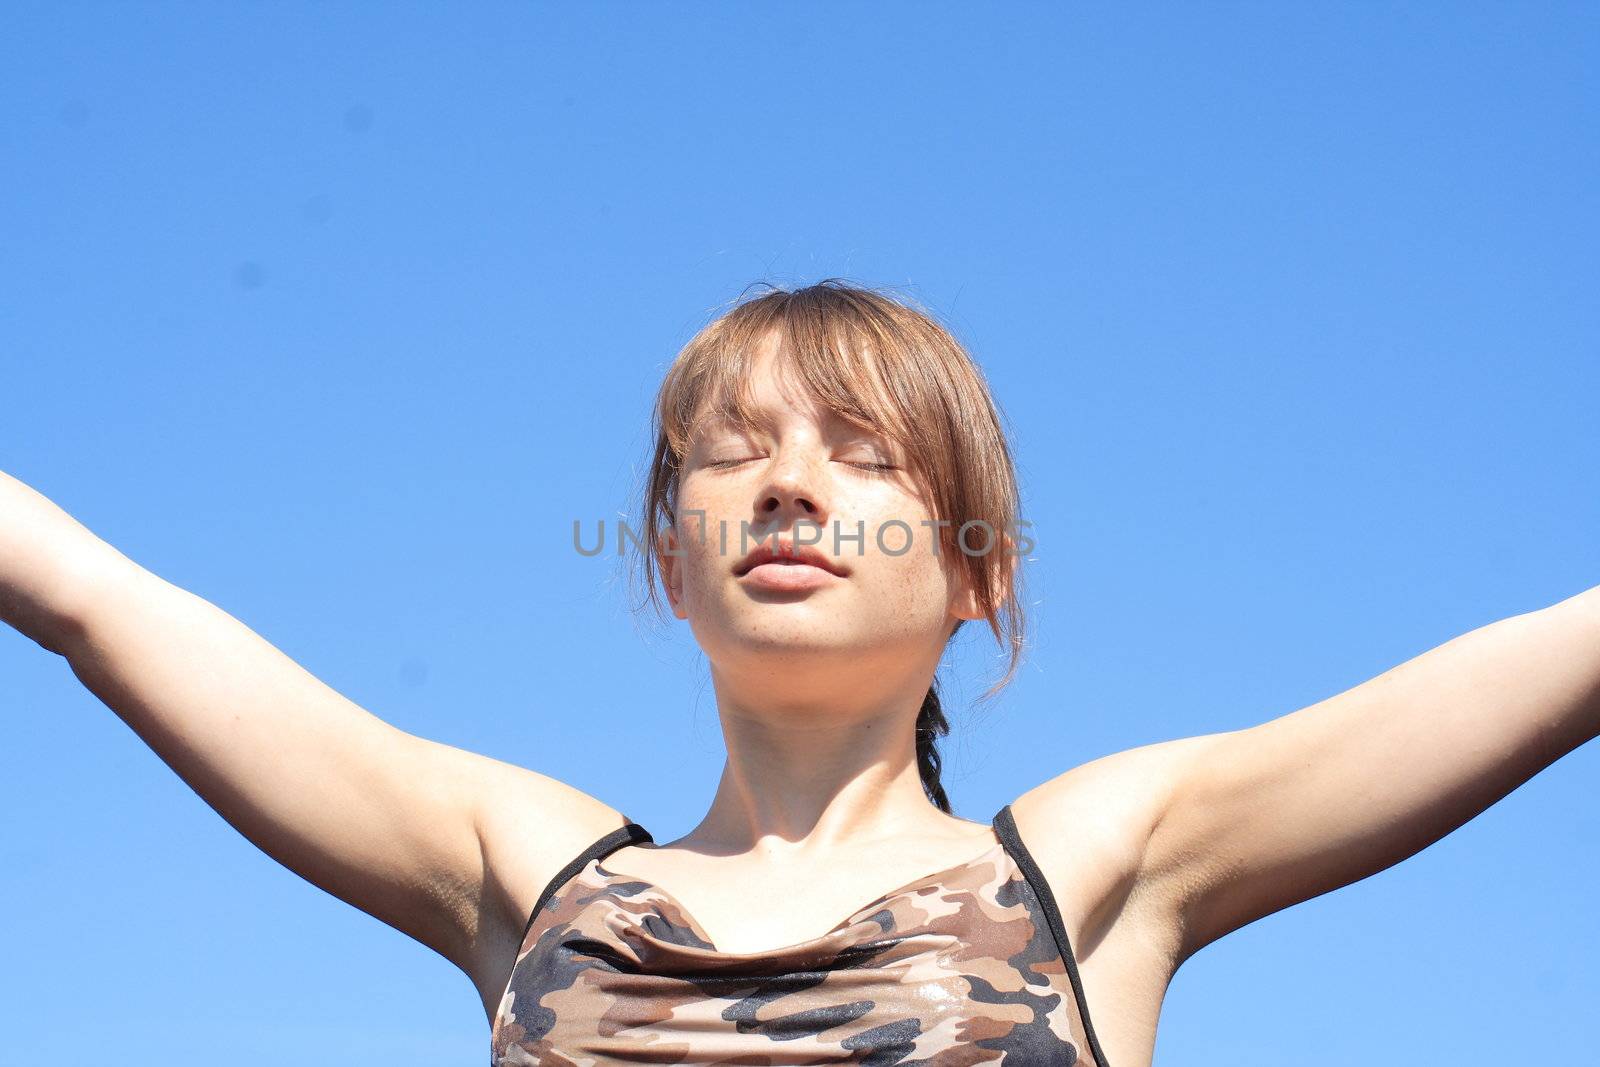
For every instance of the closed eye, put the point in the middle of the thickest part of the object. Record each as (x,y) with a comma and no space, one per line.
(867,465)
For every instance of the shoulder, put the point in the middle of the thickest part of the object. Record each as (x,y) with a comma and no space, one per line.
(1090,830)
(530,826)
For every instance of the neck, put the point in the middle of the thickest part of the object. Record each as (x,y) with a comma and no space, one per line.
(820,763)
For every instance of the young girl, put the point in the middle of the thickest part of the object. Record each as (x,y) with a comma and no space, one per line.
(831,497)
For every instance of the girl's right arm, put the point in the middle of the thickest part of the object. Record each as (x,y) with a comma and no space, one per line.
(406,829)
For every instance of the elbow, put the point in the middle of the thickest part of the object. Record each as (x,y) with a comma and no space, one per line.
(45,624)
(64,616)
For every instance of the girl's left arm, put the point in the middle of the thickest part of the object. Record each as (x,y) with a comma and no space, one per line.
(1258,819)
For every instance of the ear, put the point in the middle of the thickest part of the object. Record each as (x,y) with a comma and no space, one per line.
(963,599)
(670,563)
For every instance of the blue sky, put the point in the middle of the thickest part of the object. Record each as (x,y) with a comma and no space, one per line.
(339,315)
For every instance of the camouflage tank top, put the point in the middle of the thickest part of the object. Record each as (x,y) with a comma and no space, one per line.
(968,965)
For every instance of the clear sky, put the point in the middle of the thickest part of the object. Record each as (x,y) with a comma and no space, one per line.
(339,315)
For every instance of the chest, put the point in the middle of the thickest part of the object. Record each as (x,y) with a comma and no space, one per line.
(955,969)
(736,922)
(746,910)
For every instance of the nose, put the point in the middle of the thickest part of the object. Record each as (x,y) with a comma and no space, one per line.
(793,490)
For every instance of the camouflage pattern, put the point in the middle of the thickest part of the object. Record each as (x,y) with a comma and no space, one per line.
(954,968)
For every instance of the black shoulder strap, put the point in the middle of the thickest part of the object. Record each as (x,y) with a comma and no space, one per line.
(627,834)
(1005,828)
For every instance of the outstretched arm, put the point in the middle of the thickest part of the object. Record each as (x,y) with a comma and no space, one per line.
(1258,819)
(390,822)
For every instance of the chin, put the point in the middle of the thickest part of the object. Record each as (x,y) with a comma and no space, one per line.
(790,635)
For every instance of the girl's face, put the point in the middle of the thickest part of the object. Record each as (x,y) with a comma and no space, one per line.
(807,476)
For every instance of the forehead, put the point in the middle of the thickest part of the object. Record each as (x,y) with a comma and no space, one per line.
(775,387)
(773,392)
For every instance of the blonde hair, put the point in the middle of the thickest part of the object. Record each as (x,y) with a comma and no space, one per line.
(885,367)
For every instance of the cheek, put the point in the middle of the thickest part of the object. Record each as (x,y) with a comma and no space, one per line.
(699,518)
(920,579)
(909,590)
(701,565)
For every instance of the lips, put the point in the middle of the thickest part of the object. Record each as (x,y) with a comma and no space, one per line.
(787,553)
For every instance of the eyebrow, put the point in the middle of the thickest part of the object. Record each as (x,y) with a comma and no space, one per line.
(721,419)
(717,423)
(724,419)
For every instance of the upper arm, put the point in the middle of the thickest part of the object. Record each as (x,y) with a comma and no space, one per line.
(387,821)
(1262,818)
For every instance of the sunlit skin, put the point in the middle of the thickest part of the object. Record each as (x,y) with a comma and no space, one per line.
(1152,852)
(817,690)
